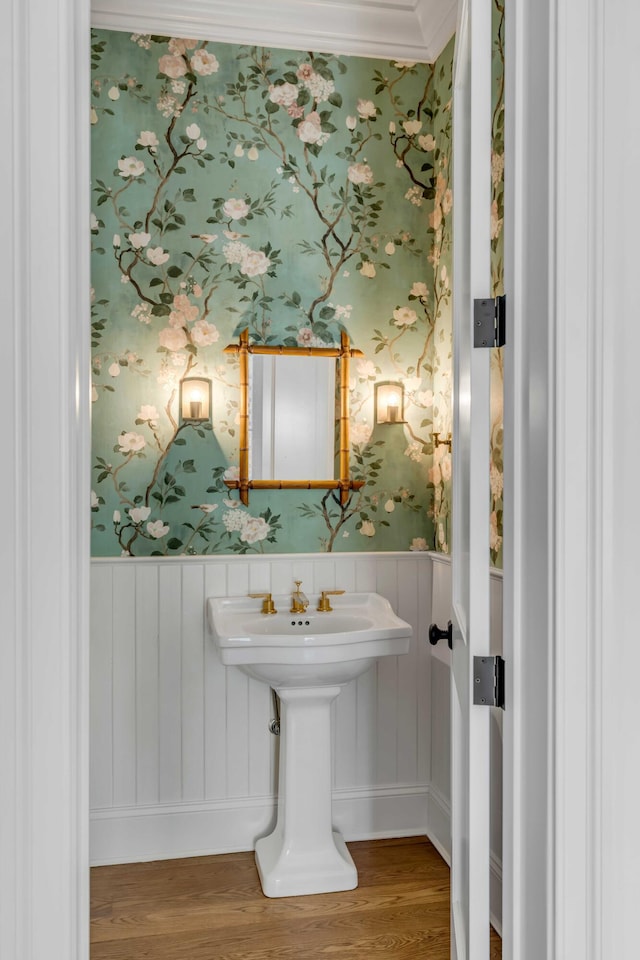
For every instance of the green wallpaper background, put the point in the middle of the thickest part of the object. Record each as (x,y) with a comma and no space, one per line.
(295,194)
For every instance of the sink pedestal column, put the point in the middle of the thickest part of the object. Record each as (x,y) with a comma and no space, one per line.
(304,854)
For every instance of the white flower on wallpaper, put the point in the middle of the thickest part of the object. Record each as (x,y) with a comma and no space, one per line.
(131,442)
(284,94)
(130,167)
(366,109)
(139,514)
(157,529)
(404,316)
(139,240)
(148,139)
(157,256)
(235,208)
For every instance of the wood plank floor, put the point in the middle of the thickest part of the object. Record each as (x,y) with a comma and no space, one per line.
(212,908)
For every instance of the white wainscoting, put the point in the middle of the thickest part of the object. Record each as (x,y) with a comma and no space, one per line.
(182,761)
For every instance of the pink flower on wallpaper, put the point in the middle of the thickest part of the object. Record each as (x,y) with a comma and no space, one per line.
(435,217)
(360,433)
(204,334)
(183,312)
(360,173)
(496,221)
(172,66)
(307,338)
(173,338)
(304,71)
(204,63)
(435,475)
(179,45)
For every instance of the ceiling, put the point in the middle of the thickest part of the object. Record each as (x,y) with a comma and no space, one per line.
(389,29)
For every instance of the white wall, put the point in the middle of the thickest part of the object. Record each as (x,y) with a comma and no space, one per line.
(182,761)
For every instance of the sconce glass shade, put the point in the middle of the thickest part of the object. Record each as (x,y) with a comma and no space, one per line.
(195,399)
(389,402)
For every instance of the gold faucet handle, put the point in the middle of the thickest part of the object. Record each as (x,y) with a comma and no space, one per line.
(267,604)
(324,605)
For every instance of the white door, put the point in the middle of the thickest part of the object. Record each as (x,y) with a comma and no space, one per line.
(470,553)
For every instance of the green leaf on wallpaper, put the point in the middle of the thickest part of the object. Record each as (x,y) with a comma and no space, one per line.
(160,310)
(179,441)
(174,543)
(174,272)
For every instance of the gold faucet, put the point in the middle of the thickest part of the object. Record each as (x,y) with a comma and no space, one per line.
(299,602)
(268,605)
(324,605)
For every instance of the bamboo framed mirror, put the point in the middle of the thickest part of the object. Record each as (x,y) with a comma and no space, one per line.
(309,431)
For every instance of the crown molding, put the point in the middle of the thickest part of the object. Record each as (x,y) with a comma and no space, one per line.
(394,29)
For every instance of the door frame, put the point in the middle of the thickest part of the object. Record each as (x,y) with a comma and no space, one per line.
(566,422)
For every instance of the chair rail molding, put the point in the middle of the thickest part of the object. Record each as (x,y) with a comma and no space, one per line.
(388,29)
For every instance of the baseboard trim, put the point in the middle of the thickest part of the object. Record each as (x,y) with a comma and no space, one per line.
(495,892)
(170,831)
(439,833)
(439,824)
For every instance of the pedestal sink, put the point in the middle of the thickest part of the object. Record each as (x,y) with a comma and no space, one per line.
(307,658)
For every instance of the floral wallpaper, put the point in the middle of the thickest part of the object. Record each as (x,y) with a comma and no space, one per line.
(296,195)
(497,281)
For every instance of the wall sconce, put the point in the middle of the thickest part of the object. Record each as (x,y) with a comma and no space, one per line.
(389,402)
(437,442)
(195,399)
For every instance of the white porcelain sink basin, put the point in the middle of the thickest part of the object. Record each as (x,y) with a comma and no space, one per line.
(307,658)
(291,649)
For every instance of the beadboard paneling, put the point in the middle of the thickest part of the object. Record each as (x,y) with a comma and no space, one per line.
(176,735)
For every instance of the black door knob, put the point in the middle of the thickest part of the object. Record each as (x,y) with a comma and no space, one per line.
(436,634)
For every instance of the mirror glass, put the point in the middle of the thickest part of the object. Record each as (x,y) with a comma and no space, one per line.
(292,417)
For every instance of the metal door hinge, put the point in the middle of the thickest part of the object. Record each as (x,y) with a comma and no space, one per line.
(488,681)
(489,322)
